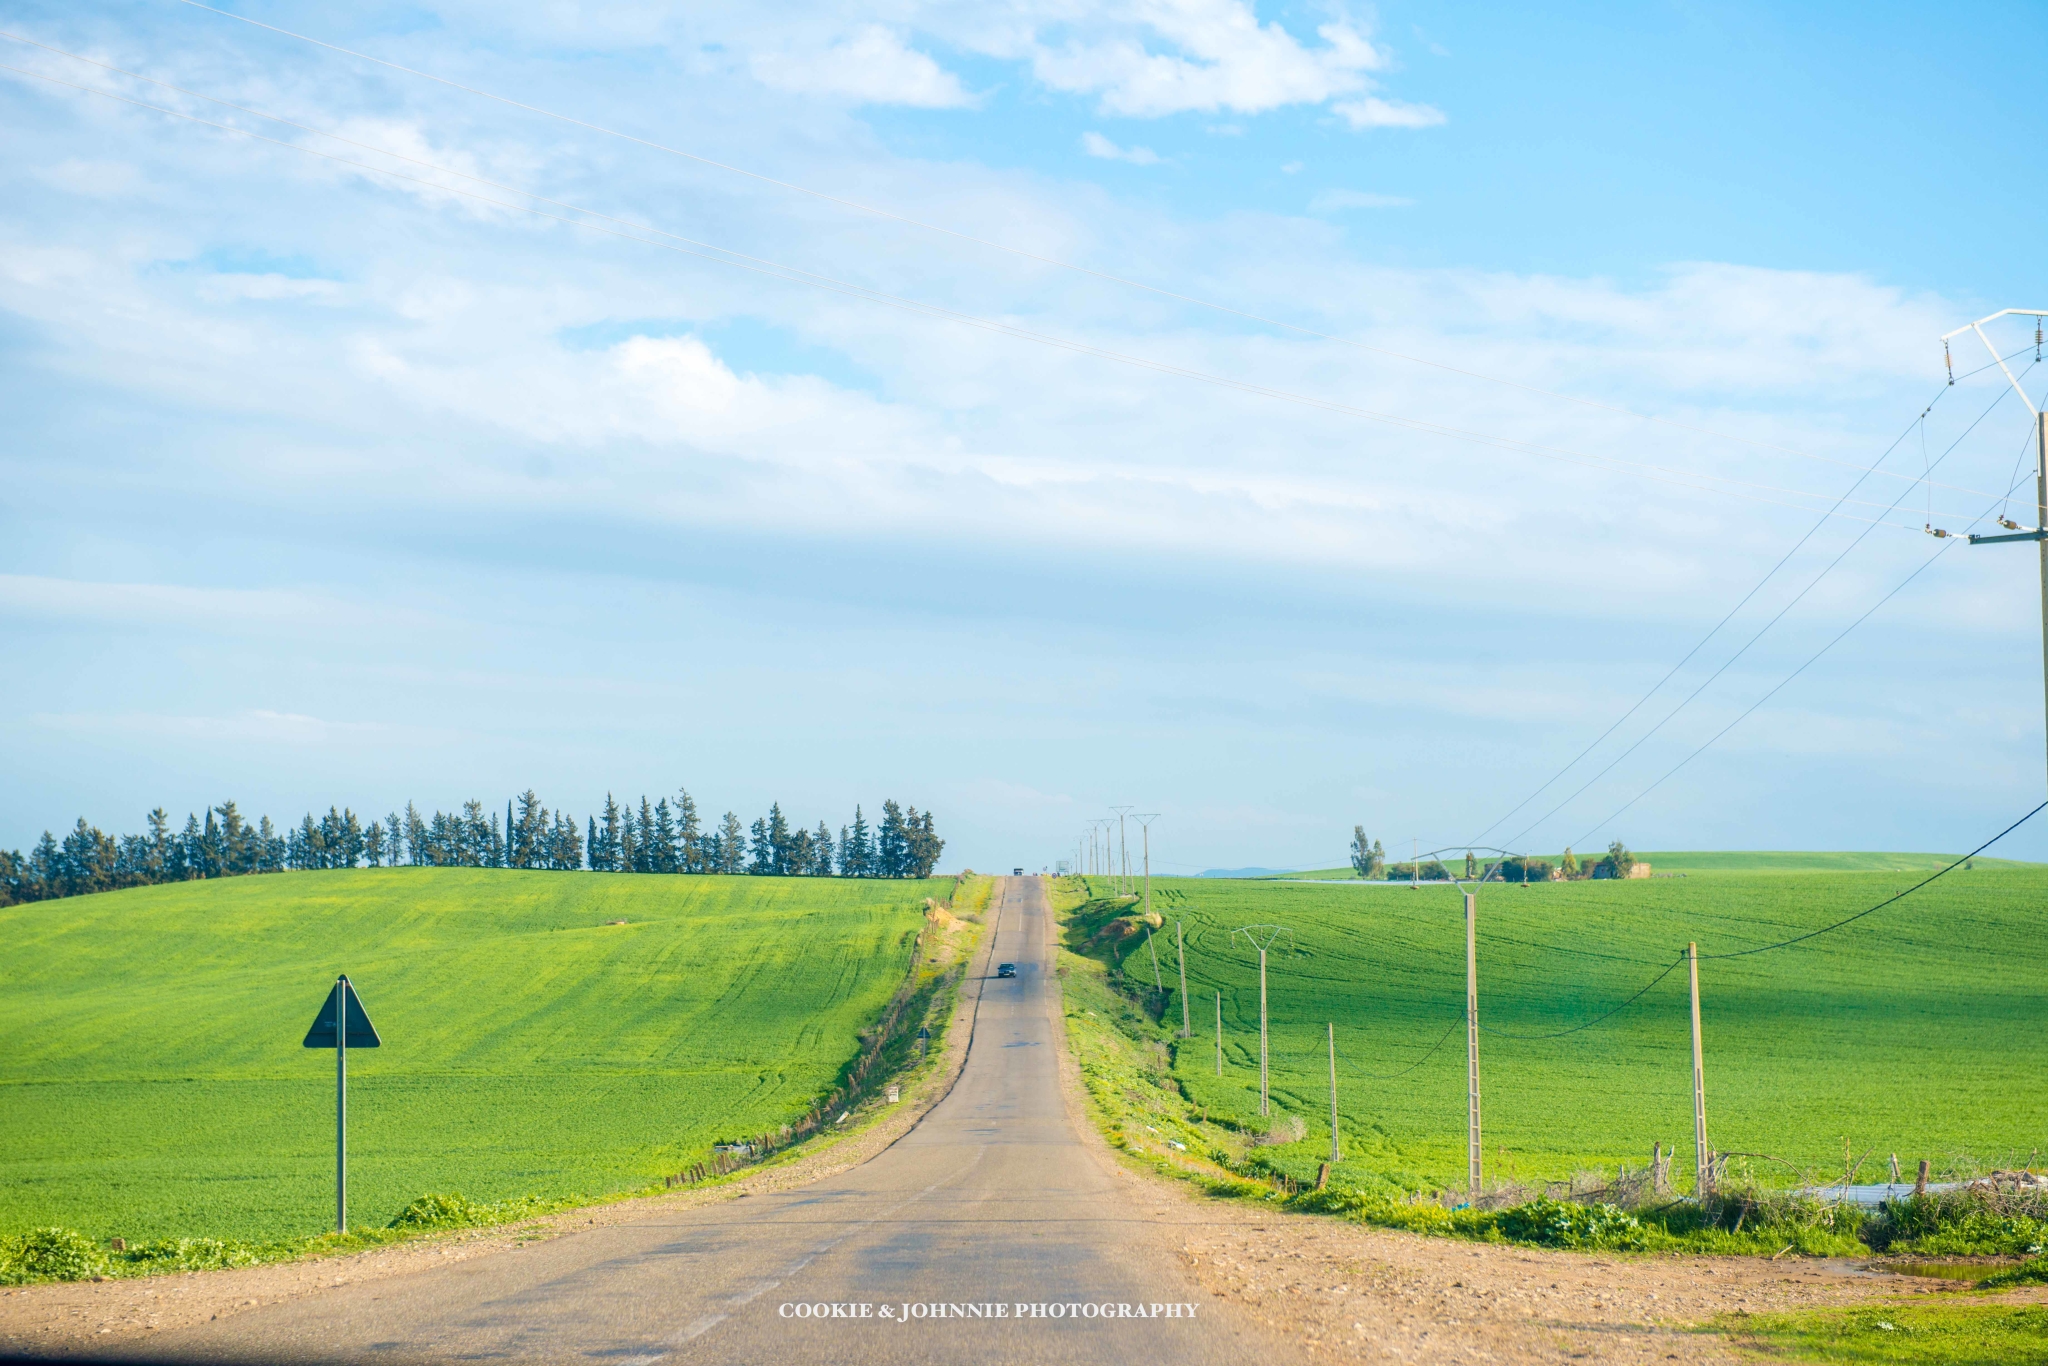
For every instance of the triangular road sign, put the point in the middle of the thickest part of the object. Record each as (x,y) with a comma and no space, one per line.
(361,1033)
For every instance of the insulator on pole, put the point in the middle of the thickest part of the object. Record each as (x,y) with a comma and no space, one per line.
(1948,362)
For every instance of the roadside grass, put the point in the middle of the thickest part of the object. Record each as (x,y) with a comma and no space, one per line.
(1124,1035)
(1943,1333)
(1904,1033)
(535,1055)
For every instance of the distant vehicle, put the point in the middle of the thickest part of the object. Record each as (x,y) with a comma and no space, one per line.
(1016,872)
(1006,969)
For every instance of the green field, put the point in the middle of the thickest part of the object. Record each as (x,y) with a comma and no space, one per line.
(153,1084)
(1914,1031)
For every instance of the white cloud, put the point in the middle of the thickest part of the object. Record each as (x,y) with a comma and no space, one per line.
(1223,59)
(871,65)
(1096,145)
(1332,201)
(1373,112)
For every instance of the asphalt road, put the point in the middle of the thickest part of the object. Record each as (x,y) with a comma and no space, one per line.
(991,1203)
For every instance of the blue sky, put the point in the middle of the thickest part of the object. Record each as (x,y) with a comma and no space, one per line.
(322,486)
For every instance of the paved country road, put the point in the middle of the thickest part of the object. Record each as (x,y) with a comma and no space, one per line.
(993,1201)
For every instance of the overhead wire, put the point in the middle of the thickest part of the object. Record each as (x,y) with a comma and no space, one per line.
(1947,544)
(1852,919)
(990,243)
(795,275)
(1760,633)
(1701,644)
(1560,1033)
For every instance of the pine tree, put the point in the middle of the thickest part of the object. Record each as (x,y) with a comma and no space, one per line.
(662,858)
(763,860)
(782,852)
(892,851)
(523,840)
(415,837)
(821,851)
(732,844)
(604,846)
(922,844)
(689,836)
(856,848)
(645,854)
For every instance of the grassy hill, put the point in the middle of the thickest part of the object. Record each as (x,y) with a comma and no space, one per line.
(1910,1031)
(153,1082)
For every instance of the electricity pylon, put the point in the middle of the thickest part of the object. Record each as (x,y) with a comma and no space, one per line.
(2039,531)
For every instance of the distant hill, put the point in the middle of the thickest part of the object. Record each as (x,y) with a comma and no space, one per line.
(1252,872)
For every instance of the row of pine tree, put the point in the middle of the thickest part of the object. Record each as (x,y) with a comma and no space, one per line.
(661,837)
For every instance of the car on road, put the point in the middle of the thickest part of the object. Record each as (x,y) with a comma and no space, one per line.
(1006,969)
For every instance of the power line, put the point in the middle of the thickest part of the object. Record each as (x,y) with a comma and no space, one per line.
(1002,247)
(794,275)
(1926,564)
(1701,644)
(1847,920)
(1559,1034)
(1760,633)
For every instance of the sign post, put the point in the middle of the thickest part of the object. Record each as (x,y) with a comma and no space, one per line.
(342,1024)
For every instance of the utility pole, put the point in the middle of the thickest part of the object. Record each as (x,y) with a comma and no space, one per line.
(1334,1155)
(1180,944)
(1144,820)
(1261,937)
(1704,1159)
(1475,1155)
(1415,867)
(1120,857)
(2039,530)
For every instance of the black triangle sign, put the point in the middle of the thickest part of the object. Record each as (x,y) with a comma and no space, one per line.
(361,1033)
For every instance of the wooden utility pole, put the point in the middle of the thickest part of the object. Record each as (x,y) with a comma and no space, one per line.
(1180,944)
(1704,1186)
(1475,1157)
(1333,1093)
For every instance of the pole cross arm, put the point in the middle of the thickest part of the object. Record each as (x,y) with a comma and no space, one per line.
(2015,536)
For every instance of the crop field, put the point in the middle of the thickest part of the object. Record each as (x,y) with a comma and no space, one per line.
(153,1083)
(1914,1031)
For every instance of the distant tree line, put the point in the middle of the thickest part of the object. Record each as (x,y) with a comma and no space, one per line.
(1370,861)
(658,838)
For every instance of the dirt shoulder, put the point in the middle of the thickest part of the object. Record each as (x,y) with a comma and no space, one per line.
(1351,1292)
(61,1317)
